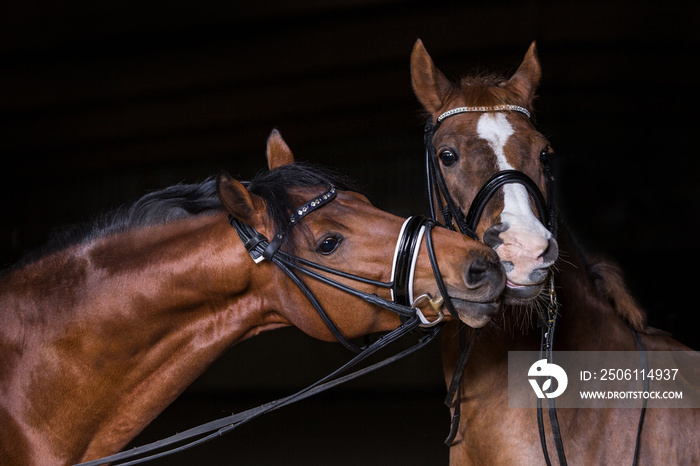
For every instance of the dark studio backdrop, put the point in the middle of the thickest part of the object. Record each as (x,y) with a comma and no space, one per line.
(103,101)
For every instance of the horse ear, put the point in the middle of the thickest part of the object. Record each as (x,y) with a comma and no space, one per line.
(278,152)
(431,87)
(238,201)
(526,79)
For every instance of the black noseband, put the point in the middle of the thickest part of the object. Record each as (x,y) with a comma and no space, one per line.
(494,183)
(406,253)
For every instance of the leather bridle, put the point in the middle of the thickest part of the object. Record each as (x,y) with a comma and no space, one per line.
(452,214)
(403,303)
(413,231)
(454,218)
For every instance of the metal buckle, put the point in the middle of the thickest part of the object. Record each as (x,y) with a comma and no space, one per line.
(435,303)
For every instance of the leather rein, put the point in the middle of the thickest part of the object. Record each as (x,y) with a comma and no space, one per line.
(453,217)
(403,303)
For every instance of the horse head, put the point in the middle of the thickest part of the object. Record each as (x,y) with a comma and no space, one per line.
(481,127)
(352,235)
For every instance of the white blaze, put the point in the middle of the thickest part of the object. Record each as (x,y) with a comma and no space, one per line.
(526,238)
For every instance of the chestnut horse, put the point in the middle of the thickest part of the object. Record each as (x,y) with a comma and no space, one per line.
(477,128)
(99,335)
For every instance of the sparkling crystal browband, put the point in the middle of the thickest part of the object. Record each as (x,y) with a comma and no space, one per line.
(312,205)
(497,108)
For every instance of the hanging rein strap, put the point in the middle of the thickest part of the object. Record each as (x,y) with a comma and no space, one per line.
(454,392)
(644,363)
(548,324)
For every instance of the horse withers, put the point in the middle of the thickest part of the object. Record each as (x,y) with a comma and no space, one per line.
(99,333)
(481,129)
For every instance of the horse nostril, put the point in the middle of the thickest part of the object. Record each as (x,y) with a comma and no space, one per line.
(479,273)
(508,266)
(492,236)
(550,254)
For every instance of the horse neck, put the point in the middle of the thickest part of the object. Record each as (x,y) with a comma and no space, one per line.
(116,330)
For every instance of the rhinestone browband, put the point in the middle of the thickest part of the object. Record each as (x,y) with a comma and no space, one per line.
(297,215)
(312,205)
(497,108)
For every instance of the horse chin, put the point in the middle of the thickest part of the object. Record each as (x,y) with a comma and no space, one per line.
(520,294)
(475,315)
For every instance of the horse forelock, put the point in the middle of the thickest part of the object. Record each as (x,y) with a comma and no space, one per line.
(488,91)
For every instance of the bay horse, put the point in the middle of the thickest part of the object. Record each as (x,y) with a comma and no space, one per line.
(100,333)
(480,127)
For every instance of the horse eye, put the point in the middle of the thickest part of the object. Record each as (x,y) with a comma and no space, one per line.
(328,245)
(447,157)
(544,155)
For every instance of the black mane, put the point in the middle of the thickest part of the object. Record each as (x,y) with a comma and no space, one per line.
(187,200)
(162,206)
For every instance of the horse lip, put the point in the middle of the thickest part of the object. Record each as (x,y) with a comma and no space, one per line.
(513,284)
(510,284)
(520,293)
(476,315)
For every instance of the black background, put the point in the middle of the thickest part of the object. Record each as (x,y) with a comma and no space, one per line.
(103,101)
